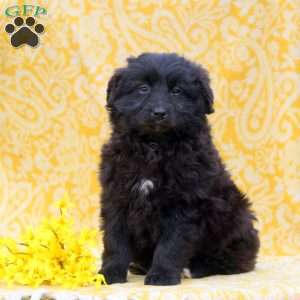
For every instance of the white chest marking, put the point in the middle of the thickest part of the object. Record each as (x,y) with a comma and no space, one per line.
(146,186)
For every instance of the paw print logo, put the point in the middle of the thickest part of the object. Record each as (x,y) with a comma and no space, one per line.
(24,34)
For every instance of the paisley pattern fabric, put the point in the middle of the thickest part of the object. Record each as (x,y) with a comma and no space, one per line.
(52,97)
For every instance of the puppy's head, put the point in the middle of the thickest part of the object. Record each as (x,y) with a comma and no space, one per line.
(159,93)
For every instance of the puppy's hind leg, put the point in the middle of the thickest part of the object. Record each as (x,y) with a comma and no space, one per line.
(137,269)
(237,257)
(142,260)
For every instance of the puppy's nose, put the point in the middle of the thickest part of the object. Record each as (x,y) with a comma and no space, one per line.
(159,113)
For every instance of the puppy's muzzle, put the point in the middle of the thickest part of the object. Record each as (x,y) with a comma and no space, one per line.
(159,114)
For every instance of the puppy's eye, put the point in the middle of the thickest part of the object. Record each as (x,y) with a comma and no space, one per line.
(144,89)
(176,91)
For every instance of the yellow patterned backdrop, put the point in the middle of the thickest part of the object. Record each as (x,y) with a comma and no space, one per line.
(52,97)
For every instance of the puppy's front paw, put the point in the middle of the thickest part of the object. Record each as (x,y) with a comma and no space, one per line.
(162,279)
(114,275)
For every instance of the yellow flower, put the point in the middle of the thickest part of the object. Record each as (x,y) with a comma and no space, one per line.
(64,203)
(52,253)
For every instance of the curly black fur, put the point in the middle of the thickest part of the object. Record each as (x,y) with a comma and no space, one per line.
(167,200)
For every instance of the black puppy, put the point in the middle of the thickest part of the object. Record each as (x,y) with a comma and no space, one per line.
(167,201)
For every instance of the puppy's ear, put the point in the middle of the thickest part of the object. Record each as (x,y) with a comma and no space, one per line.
(114,83)
(112,88)
(206,91)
